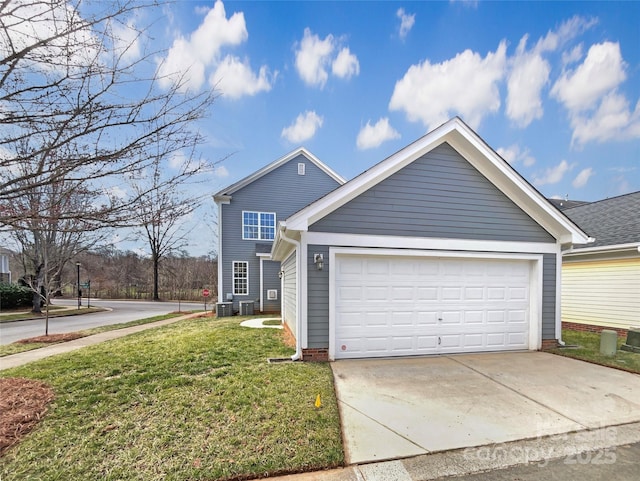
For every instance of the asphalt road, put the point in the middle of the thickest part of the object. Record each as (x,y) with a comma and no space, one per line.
(122,311)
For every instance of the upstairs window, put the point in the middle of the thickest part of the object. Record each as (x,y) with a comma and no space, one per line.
(258,225)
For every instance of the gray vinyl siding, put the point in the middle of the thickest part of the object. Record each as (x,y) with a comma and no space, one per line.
(318,298)
(289,294)
(282,191)
(549,297)
(271,281)
(438,195)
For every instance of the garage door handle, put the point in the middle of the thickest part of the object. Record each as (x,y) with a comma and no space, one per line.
(439,341)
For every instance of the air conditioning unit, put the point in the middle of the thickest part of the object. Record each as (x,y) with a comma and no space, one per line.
(272,294)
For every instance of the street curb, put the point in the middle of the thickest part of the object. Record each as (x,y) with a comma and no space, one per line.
(57,314)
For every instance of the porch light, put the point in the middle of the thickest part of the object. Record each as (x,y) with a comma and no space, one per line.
(318,259)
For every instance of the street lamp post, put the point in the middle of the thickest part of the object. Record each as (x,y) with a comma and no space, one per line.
(79,298)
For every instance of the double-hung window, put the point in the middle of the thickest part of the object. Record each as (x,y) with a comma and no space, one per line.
(240,278)
(258,225)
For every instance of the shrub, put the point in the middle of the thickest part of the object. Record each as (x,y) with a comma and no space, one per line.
(13,296)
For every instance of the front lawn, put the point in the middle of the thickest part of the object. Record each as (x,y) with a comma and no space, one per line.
(588,349)
(195,400)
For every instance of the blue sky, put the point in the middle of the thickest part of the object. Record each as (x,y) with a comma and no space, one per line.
(554,87)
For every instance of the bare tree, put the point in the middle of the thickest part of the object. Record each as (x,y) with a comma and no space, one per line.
(162,206)
(78,106)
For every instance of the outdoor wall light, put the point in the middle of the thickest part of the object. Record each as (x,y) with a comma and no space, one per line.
(318,259)
(281,274)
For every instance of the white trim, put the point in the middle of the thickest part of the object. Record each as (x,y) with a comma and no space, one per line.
(220,261)
(559,294)
(302,300)
(260,213)
(227,191)
(435,243)
(535,285)
(233,277)
(633,246)
(261,285)
(477,153)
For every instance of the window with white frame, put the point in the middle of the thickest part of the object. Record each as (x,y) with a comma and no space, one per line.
(240,278)
(258,225)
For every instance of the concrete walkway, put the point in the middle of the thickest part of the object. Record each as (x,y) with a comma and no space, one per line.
(15,360)
(600,444)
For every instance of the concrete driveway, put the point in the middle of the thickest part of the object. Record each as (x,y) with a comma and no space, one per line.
(395,408)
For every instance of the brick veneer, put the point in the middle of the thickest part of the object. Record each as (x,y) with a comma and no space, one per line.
(317,354)
(549,344)
(574,326)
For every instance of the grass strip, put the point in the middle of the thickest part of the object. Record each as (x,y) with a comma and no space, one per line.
(54,311)
(189,401)
(588,349)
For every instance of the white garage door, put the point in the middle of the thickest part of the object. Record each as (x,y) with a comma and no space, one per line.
(395,306)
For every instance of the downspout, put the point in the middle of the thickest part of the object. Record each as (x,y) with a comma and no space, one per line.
(298,355)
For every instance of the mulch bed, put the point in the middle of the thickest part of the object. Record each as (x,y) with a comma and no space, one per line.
(23,403)
(52,338)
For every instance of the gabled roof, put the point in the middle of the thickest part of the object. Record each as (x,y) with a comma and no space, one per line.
(228,191)
(613,222)
(462,138)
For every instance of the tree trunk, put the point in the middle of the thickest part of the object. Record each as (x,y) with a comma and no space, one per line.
(156,261)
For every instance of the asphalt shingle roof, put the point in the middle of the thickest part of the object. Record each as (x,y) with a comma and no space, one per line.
(611,221)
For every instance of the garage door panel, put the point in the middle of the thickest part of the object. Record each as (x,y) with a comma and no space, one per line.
(388,305)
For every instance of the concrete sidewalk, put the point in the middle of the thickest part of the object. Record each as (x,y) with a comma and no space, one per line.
(600,444)
(15,360)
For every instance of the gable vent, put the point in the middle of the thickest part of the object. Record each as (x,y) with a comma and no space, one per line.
(301,167)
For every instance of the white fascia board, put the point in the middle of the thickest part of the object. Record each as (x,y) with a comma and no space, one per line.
(222,199)
(281,249)
(633,247)
(227,191)
(427,243)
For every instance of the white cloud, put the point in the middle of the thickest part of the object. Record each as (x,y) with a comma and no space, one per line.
(221,171)
(602,71)
(568,30)
(193,55)
(127,41)
(529,74)
(371,136)
(466,84)
(235,78)
(613,120)
(553,175)
(314,56)
(304,127)
(346,64)
(597,111)
(572,56)
(406,22)
(116,192)
(513,154)
(582,178)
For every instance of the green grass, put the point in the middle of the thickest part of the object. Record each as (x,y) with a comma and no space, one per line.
(189,401)
(274,322)
(589,350)
(15,348)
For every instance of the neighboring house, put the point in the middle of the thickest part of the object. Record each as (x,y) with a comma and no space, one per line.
(441,248)
(248,213)
(5,272)
(601,281)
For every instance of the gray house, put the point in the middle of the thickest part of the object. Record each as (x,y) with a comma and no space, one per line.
(440,248)
(248,213)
